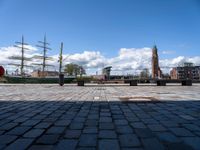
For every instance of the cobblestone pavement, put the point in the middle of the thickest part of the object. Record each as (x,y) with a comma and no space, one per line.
(99,117)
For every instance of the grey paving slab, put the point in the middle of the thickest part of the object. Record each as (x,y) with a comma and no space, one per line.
(42,147)
(55,130)
(72,134)
(145,133)
(106,126)
(20,144)
(33,133)
(107,134)
(19,130)
(124,129)
(6,139)
(156,127)
(67,144)
(180,145)
(181,132)
(8,126)
(43,125)
(152,144)
(194,142)
(95,117)
(88,140)
(90,130)
(168,137)
(108,144)
(138,125)
(48,139)
(129,140)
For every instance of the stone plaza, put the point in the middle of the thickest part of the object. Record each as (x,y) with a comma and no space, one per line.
(103,117)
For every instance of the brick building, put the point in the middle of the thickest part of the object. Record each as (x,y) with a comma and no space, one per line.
(187,71)
(156,71)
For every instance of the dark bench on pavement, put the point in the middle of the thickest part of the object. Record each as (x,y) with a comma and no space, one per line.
(163,82)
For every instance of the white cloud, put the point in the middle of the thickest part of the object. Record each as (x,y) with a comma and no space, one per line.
(131,60)
(128,60)
(167,64)
(168,52)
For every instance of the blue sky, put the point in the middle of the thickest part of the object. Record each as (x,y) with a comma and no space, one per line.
(104,25)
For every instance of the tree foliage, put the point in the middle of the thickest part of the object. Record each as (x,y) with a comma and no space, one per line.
(144,74)
(74,69)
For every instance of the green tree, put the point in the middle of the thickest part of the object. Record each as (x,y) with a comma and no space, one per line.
(144,74)
(74,69)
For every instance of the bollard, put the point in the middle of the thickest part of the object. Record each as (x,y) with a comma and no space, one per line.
(133,82)
(80,83)
(61,79)
(161,83)
(187,83)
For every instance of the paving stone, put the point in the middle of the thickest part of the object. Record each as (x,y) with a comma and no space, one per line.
(2,146)
(120,116)
(86,148)
(108,144)
(90,130)
(41,147)
(76,126)
(55,130)
(62,122)
(105,114)
(129,140)
(173,123)
(6,139)
(67,144)
(156,127)
(132,148)
(33,133)
(48,139)
(105,119)
(2,132)
(181,132)
(132,119)
(79,119)
(124,129)
(169,124)
(43,125)
(48,119)
(144,133)
(107,134)
(21,119)
(91,123)
(168,137)
(106,126)
(93,116)
(20,144)
(30,122)
(191,127)
(187,117)
(152,144)
(177,146)
(19,130)
(88,140)
(72,134)
(8,126)
(194,142)
(138,125)
(121,122)
(149,121)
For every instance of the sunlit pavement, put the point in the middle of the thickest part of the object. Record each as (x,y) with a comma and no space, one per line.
(99,117)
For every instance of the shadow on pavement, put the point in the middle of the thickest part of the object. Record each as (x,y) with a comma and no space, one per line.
(99,125)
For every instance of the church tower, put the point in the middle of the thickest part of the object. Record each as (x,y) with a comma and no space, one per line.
(156,72)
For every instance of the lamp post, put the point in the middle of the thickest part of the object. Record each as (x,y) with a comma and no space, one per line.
(61,75)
